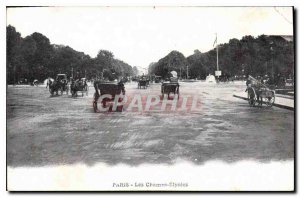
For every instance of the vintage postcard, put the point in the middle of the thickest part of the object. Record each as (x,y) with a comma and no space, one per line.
(151,98)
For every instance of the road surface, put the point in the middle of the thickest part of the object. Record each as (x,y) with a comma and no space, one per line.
(44,130)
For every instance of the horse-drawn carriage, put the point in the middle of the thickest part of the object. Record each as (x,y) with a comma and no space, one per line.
(111,89)
(79,85)
(259,93)
(170,87)
(60,84)
(143,82)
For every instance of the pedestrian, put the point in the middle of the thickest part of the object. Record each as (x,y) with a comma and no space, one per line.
(248,83)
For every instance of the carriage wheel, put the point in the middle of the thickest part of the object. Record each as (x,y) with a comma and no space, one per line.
(269,101)
(95,106)
(95,103)
(251,97)
(251,100)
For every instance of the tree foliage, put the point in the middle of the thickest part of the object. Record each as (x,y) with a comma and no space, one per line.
(264,55)
(34,57)
(174,61)
(135,71)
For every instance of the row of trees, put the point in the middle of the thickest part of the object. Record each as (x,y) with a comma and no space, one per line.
(33,57)
(264,55)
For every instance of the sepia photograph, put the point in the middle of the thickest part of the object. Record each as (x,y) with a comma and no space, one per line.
(150,98)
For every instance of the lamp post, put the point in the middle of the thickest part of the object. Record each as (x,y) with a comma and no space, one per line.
(180,73)
(272,54)
(272,58)
(187,71)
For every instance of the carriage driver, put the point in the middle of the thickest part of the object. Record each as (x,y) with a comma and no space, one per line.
(248,83)
(77,76)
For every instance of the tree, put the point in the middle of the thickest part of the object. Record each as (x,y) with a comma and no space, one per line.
(13,55)
(174,61)
(151,67)
(33,57)
(264,55)
(135,71)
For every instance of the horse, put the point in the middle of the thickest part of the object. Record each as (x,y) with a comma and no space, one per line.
(78,85)
(54,86)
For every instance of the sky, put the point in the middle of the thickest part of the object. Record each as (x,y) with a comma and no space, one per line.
(141,35)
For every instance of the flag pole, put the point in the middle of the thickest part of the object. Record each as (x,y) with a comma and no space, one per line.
(217,52)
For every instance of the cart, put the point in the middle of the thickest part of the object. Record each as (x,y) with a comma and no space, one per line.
(79,86)
(143,83)
(59,85)
(259,93)
(170,87)
(110,88)
(63,82)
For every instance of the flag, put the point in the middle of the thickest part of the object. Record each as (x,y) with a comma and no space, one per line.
(215,42)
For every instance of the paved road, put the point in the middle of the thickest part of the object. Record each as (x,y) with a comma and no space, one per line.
(44,130)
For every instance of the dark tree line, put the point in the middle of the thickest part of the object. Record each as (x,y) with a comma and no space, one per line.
(264,55)
(173,61)
(33,57)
